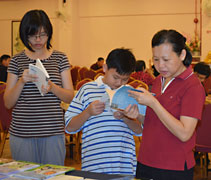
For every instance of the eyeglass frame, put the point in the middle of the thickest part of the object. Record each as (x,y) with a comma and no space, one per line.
(41,36)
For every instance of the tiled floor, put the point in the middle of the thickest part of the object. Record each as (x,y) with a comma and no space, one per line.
(77,165)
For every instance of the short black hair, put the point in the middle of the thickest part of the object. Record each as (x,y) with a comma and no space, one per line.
(4,57)
(31,23)
(202,68)
(140,65)
(177,41)
(100,59)
(122,60)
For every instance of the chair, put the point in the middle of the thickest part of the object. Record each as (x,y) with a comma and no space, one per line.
(138,83)
(82,82)
(75,75)
(2,82)
(203,139)
(81,72)
(74,140)
(100,71)
(90,74)
(5,119)
(130,79)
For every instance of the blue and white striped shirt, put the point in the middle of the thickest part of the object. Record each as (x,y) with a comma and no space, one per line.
(107,143)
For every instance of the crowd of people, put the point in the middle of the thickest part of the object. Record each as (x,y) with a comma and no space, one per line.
(37,130)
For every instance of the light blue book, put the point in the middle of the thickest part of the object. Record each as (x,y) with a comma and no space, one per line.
(120,99)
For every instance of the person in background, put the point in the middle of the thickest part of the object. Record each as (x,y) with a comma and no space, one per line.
(107,138)
(202,71)
(155,72)
(166,150)
(142,73)
(98,64)
(37,127)
(4,63)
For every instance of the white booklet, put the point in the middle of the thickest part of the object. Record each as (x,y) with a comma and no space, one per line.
(40,71)
(16,167)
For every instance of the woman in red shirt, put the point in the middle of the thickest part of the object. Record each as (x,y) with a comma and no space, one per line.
(172,114)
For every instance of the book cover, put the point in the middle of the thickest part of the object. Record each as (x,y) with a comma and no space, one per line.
(66,177)
(3,160)
(119,99)
(17,178)
(16,166)
(40,71)
(44,172)
(2,176)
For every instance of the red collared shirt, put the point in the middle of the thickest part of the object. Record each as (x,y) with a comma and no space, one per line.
(160,148)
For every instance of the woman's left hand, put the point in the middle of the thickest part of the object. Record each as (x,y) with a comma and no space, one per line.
(131,112)
(46,89)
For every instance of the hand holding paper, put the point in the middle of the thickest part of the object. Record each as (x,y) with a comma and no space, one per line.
(42,75)
(120,99)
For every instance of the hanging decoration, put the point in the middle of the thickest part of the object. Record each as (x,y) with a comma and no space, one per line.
(194,44)
(196,48)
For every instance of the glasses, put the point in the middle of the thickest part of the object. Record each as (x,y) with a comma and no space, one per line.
(40,36)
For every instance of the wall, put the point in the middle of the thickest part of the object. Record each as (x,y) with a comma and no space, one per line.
(14,10)
(206,28)
(108,24)
(87,29)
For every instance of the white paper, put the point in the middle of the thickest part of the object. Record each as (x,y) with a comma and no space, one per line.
(40,71)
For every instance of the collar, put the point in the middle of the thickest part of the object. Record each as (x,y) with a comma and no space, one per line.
(186,74)
(100,82)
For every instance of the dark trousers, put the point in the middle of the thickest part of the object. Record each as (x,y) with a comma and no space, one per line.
(143,171)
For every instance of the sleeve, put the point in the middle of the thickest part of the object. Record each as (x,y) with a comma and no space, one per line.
(75,108)
(193,102)
(13,66)
(64,63)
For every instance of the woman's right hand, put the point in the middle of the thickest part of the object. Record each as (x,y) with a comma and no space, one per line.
(26,77)
(144,97)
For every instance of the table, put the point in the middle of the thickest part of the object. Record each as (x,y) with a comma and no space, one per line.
(100,176)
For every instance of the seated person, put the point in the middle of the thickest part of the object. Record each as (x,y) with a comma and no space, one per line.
(4,63)
(98,64)
(202,70)
(142,73)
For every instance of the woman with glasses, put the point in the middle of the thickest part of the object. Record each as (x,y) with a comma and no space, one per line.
(37,127)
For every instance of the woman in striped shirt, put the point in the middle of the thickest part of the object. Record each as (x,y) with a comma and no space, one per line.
(37,127)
